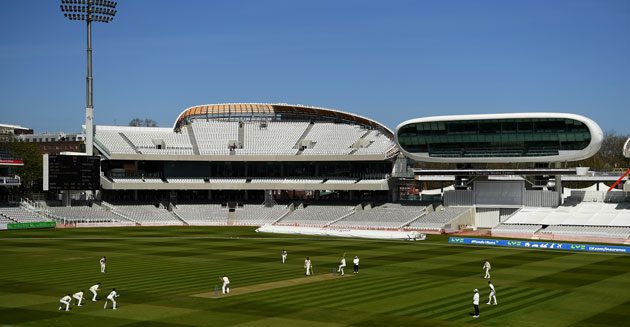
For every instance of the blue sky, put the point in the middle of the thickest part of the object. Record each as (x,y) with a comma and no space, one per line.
(387,60)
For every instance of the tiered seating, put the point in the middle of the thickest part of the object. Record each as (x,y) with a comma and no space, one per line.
(94,214)
(257,215)
(147,215)
(315,215)
(137,180)
(227,180)
(287,180)
(5,220)
(585,214)
(379,143)
(341,180)
(278,138)
(21,215)
(437,219)
(332,139)
(214,137)
(386,216)
(371,181)
(187,180)
(589,231)
(202,214)
(174,143)
(110,138)
(515,229)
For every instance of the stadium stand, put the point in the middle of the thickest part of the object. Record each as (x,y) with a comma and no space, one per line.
(148,215)
(84,214)
(378,143)
(315,215)
(257,215)
(202,214)
(438,219)
(21,215)
(514,229)
(111,138)
(191,180)
(137,180)
(582,214)
(386,216)
(332,139)
(588,231)
(271,138)
(214,137)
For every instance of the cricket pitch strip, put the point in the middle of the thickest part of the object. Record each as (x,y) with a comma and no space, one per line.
(270,286)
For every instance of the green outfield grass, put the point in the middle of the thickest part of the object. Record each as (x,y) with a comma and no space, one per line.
(158,270)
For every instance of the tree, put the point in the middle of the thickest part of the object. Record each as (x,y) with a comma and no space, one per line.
(146,122)
(31,173)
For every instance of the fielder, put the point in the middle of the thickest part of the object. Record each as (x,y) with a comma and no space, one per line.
(355,263)
(79,297)
(307,266)
(476,303)
(102,262)
(94,289)
(111,297)
(342,264)
(486,267)
(492,295)
(226,284)
(284,256)
(65,301)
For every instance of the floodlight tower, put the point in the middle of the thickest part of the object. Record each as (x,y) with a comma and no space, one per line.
(90,11)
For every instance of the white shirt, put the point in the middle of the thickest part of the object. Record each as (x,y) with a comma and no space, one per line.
(355,261)
(307,263)
(102,261)
(77,295)
(492,288)
(486,265)
(343,261)
(66,299)
(94,288)
(112,295)
(476,299)
(226,280)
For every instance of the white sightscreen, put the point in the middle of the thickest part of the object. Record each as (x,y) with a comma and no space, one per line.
(498,193)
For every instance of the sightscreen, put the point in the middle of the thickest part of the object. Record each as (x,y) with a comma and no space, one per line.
(491,193)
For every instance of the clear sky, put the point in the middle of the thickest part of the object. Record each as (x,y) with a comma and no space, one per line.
(387,60)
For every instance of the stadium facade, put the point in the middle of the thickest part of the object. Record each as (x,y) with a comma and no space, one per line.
(240,150)
(500,138)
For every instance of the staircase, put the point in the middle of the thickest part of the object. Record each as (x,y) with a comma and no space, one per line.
(241,136)
(298,144)
(129,142)
(193,140)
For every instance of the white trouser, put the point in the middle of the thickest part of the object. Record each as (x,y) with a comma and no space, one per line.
(67,303)
(93,297)
(487,273)
(226,288)
(284,258)
(113,303)
(308,270)
(79,299)
(341,268)
(491,297)
(102,268)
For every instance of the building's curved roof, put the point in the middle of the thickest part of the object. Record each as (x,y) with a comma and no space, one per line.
(242,110)
(596,137)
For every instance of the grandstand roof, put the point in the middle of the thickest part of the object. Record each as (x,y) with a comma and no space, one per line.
(244,110)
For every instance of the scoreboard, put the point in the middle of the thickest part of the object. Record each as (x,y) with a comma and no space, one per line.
(71,172)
